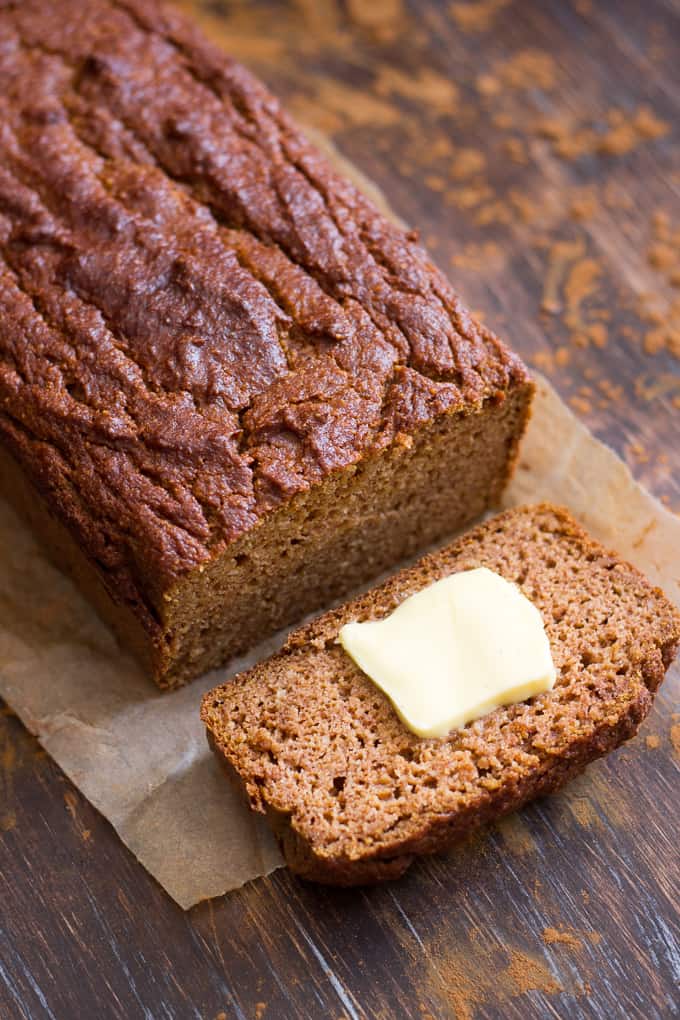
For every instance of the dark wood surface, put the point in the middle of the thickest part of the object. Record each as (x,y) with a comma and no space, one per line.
(535,146)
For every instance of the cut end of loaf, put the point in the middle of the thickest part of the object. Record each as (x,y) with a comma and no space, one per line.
(354,796)
(339,534)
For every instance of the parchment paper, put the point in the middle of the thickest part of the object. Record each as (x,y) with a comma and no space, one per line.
(141,757)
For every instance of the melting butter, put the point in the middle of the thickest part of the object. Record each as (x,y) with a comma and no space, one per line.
(454,651)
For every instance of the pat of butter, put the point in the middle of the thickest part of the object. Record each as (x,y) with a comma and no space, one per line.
(455,651)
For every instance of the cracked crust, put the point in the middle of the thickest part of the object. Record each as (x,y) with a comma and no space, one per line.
(353,795)
(199,320)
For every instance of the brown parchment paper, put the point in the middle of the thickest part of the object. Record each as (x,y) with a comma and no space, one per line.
(141,757)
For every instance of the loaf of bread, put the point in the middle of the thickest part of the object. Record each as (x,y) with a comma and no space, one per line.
(229,388)
(353,795)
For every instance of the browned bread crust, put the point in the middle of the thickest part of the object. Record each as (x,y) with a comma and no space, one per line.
(353,795)
(201,324)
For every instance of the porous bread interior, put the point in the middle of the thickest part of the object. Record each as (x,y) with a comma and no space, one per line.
(348,786)
(341,533)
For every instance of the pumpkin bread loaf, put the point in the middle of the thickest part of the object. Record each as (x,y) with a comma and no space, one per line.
(230,389)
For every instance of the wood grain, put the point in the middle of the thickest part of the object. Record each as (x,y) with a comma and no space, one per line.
(535,146)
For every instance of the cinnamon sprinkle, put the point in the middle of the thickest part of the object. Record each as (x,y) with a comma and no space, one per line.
(570,938)
(675,737)
(528,69)
(476,15)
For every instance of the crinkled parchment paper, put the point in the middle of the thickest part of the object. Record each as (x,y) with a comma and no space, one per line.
(141,757)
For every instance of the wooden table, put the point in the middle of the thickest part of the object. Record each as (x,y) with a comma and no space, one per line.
(535,146)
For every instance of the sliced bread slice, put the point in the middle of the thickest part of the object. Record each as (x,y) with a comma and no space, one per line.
(353,795)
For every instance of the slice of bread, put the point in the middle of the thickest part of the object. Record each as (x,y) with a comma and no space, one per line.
(353,795)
